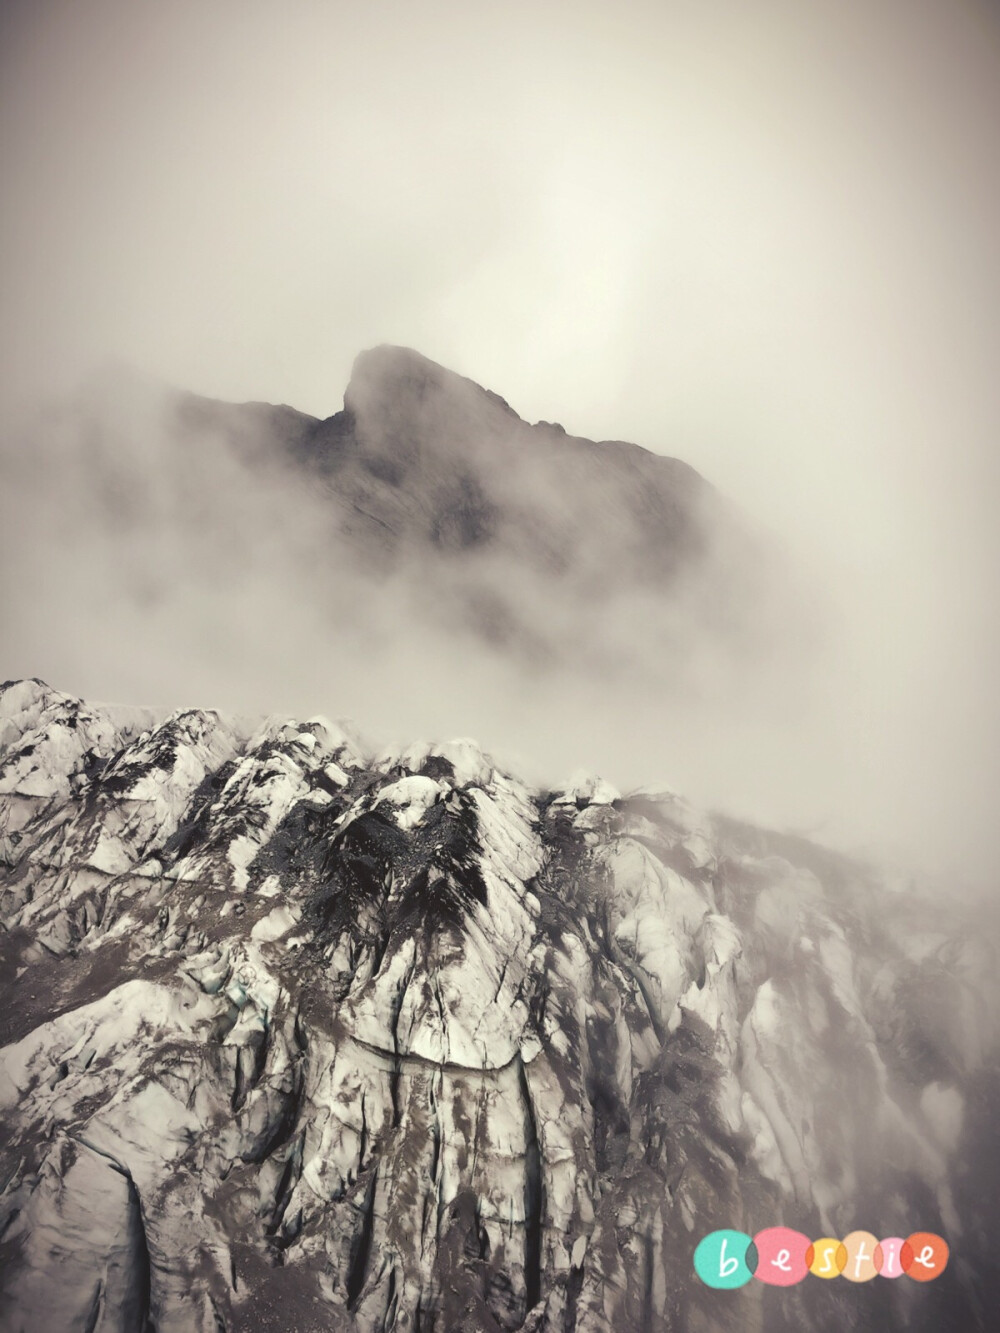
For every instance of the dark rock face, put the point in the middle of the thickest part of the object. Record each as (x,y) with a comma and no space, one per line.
(298,1039)
(446,455)
(519,534)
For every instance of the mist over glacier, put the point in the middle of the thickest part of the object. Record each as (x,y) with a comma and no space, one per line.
(468,574)
(613,386)
(757,239)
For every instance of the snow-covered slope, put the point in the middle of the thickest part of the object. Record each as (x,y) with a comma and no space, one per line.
(294,1038)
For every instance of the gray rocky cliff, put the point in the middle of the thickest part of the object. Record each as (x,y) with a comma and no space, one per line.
(296,1038)
(425,487)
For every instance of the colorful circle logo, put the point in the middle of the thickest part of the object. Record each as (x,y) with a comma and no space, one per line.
(928,1256)
(826,1258)
(889,1257)
(721,1260)
(860,1247)
(781,1257)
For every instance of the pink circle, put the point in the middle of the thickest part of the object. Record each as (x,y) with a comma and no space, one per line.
(781,1256)
(889,1257)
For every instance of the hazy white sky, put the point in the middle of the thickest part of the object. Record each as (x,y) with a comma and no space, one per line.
(761,235)
(758,234)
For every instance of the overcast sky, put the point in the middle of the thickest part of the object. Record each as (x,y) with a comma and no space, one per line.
(761,235)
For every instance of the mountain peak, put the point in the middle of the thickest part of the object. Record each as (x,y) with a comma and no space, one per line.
(388,374)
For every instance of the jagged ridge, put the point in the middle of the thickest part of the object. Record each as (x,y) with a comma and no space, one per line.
(299,1038)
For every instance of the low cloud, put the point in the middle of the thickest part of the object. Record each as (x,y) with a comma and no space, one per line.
(147,566)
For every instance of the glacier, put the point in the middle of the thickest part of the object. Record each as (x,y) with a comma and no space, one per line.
(299,1037)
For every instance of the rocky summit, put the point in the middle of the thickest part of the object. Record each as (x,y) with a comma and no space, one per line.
(425,491)
(298,1038)
(421,459)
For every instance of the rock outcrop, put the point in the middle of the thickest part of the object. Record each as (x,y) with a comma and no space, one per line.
(295,1038)
(550,548)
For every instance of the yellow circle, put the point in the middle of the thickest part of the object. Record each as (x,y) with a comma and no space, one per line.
(826,1257)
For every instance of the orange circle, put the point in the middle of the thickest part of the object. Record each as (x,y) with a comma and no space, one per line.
(930,1256)
(826,1257)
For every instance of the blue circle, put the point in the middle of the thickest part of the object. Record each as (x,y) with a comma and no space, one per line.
(722,1259)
